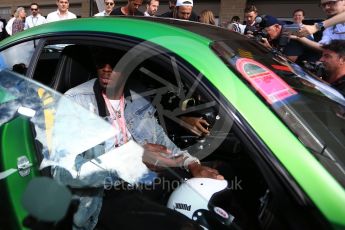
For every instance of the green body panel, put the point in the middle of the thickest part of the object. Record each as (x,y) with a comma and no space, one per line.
(326,193)
(13,145)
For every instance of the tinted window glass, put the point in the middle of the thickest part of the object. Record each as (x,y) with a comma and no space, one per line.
(312,110)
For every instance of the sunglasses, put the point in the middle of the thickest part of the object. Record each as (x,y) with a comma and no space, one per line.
(32,9)
(330,4)
(100,64)
(109,3)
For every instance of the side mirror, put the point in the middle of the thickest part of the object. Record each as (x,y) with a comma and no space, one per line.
(46,200)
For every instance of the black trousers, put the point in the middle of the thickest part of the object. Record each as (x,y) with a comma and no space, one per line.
(131,209)
(127,207)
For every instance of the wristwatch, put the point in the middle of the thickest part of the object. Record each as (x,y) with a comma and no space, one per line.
(319,25)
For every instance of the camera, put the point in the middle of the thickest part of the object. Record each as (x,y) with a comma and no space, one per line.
(257,31)
(291,28)
(259,34)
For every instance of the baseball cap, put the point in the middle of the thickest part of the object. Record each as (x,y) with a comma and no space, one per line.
(269,20)
(184,3)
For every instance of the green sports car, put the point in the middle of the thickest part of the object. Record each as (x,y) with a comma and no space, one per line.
(279,128)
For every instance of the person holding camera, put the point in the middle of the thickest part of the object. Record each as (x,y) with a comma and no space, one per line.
(278,38)
(333,59)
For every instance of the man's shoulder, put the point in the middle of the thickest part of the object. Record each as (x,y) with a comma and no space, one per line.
(100,13)
(293,48)
(28,17)
(72,15)
(116,11)
(293,42)
(168,14)
(84,88)
(52,13)
(340,85)
(139,13)
(194,17)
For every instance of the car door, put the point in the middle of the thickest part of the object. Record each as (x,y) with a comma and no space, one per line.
(263,193)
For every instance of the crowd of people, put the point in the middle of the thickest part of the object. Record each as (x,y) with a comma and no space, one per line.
(297,40)
(180,9)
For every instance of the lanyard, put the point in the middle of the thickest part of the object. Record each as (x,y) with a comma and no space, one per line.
(32,20)
(118,118)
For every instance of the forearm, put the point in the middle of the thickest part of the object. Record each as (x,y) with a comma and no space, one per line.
(310,43)
(163,139)
(339,18)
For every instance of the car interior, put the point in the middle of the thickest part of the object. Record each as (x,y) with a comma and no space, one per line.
(176,89)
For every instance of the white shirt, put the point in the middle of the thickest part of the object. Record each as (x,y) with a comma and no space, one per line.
(9,25)
(334,32)
(56,16)
(32,21)
(103,13)
(237,27)
(147,14)
(1,26)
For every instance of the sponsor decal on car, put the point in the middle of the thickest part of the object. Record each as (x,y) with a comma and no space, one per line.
(265,81)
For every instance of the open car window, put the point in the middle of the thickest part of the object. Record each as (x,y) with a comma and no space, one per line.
(63,128)
(66,131)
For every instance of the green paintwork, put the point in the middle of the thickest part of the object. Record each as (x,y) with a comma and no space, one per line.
(317,183)
(13,145)
(5,96)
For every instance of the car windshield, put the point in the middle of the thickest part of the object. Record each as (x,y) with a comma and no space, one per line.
(311,109)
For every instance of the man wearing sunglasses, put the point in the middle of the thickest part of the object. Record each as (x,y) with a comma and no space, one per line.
(35,18)
(336,32)
(109,6)
(132,116)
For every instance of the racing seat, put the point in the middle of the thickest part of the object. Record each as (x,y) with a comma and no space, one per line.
(75,66)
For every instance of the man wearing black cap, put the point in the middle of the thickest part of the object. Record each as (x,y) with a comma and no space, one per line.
(279,39)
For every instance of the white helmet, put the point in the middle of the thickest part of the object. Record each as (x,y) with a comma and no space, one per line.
(193,198)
